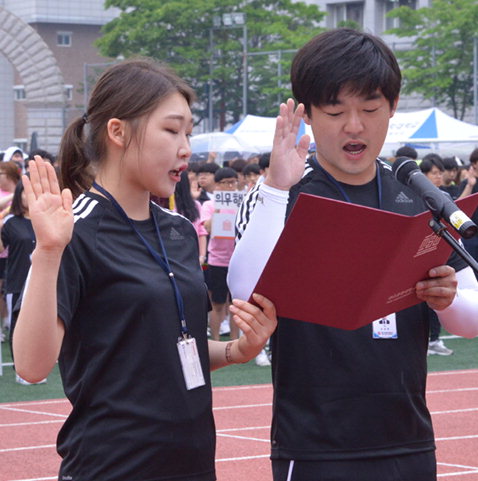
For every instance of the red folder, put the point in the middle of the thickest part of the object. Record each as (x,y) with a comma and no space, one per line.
(345,265)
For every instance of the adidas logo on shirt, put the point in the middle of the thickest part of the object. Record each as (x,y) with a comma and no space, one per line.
(175,235)
(402,199)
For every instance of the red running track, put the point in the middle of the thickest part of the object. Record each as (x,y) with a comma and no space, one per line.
(243,413)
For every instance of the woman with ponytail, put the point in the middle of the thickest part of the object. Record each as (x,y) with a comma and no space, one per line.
(115,290)
(185,205)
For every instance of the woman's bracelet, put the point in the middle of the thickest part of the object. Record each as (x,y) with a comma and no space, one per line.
(228,352)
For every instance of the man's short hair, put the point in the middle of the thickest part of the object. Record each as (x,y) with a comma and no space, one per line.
(44,154)
(251,169)
(344,58)
(450,163)
(431,160)
(474,156)
(225,173)
(407,151)
(264,160)
(208,167)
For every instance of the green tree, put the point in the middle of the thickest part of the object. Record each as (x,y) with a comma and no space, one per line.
(439,66)
(182,34)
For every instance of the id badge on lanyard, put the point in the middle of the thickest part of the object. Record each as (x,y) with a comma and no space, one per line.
(187,348)
(190,363)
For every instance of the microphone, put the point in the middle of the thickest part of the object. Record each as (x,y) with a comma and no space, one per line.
(407,172)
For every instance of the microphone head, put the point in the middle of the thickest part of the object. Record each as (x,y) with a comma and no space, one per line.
(403,167)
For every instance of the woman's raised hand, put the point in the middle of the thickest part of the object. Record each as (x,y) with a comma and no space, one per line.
(50,209)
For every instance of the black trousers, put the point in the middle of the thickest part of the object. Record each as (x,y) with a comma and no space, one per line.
(435,326)
(412,467)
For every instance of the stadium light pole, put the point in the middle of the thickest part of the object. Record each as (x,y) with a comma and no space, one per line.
(227,21)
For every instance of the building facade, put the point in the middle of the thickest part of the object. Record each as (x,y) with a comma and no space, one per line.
(56,35)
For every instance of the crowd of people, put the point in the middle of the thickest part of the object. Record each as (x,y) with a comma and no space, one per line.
(123,272)
(17,239)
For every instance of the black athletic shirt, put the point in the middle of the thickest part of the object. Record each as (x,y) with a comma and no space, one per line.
(132,417)
(342,394)
(18,236)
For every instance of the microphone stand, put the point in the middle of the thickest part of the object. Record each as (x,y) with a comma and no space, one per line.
(440,229)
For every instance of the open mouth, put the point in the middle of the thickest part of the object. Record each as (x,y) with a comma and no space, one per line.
(354,148)
(177,172)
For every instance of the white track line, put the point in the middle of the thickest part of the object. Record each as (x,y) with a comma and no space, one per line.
(14,425)
(460,389)
(245,438)
(242,458)
(452,373)
(251,428)
(39,403)
(454,411)
(27,448)
(30,411)
(457,438)
(459,473)
(458,466)
(35,479)
(241,406)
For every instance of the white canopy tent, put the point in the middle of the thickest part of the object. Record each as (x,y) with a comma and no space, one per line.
(428,129)
(431,129)
(259,131)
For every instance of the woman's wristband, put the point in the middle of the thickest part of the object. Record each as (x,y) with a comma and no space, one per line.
(228,352)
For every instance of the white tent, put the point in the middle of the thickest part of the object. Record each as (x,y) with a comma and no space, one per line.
(259,131)
(429,129)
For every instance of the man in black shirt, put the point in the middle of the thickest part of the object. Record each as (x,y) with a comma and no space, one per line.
(347,405)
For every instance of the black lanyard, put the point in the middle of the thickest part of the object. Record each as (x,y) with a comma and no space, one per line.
(162,261)
(341,189)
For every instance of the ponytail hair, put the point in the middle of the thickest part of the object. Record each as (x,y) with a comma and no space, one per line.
(76,173)
(185,203)
(129,91)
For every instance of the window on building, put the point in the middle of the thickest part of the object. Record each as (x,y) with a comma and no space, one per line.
(390,5)
(69,92)
(63,39)
(19,92)
(347,12)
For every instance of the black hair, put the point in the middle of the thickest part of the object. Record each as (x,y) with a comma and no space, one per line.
(344,58)
(43,154)
(264,160)
(225,173)
(450,163)
(17,207)
(407,151)
(208,167)
(183,199)
(251,169)
(474,156)
(193,167)
(430,161)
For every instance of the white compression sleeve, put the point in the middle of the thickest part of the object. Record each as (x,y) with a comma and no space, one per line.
(255,246)
(461,316)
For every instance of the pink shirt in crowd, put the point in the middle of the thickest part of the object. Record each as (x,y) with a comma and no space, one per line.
(219,250)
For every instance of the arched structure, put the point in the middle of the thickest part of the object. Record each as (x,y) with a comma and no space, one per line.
(41,76)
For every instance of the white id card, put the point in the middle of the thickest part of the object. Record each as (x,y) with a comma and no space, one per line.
(385,328)
(189,356)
